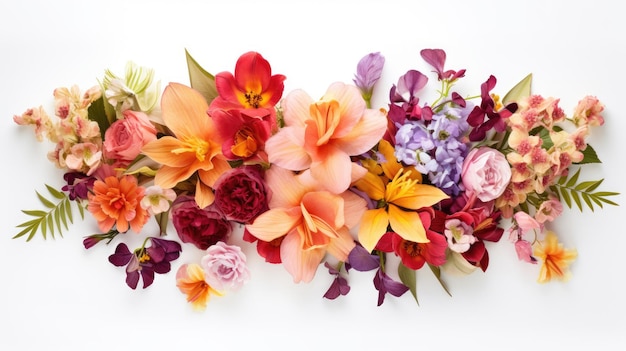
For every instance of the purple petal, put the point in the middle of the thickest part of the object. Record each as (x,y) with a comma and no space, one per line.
(147,275)
(369,71)
(361,260)
(132,278)
(411,82)
(435,58)
(122,255)
(333,291)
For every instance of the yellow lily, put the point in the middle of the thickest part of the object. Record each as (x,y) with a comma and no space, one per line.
(399,194)
(194,146)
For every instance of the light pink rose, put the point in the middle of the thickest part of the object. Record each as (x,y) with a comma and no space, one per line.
(225,267)
(486,173)
(125,137)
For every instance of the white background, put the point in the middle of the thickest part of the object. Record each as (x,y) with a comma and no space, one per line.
(56,295)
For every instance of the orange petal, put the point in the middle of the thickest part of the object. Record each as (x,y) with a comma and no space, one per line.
(334,170)
(210,176)
(287,188)
(204,195)
(351,106)
(325,206)
(391,166)
(407,224)
(167,177)
(160,150)
(274,223)
(373,226)
(354,207)
(296,107)
(372,185)
(184,112)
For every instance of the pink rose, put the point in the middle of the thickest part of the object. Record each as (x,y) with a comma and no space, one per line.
(486,173)
(125,137)
(241,194)
(201,227)
(225,267)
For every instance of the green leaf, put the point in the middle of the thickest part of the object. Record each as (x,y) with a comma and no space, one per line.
(200,79)
(437,272)
(408,278)
(566,197)
(589,156)
(46,221)
(587,200)
(519,91)
(573,179)
(97,112)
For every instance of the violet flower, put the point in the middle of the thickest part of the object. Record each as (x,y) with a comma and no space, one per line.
(368,72)
(385,284)
(339,285)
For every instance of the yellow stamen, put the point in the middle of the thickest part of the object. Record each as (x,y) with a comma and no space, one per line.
(195,145)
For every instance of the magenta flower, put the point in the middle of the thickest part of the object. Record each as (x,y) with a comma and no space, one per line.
(488,108)
(437,59)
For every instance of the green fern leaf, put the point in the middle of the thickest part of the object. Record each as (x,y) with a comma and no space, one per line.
(52,222)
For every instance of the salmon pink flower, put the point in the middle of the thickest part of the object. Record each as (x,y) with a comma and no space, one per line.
(323,135)
(312,221)
(252,86)
(125,137)
(117,202)
(194,147)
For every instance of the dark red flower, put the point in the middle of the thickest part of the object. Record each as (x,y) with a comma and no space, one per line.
(241,194)
(197,226)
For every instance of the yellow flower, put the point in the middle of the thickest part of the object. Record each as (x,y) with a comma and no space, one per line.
(399,195)
(556,259)
(190,281)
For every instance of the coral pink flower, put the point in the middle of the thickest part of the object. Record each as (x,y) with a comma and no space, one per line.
(117,201)
(313,222)
(125,137)
(323,135)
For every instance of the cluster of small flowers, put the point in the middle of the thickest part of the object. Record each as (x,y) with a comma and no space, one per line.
(427,182)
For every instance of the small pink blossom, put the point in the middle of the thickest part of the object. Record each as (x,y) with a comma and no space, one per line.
(459,234)
(84,157)
(549,210)
(225,267)
(157,200)
(524,251)
(588,112)
(486,173)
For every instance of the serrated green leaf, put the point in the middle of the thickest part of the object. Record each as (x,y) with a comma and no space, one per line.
(519,91)
(200,79)
(408,278)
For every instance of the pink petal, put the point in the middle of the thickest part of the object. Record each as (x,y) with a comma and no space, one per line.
(285,149)
(341,246)
(365,134)
(334,171)
(351,106)
(274,223)
(296,108)
(301,264)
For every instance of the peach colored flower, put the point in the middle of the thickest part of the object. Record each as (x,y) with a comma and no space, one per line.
(125,137)
(194,146)
(323,135)
(190,281)
(84,157)
(117,202)
(588,112)
(556,259)
(314,222)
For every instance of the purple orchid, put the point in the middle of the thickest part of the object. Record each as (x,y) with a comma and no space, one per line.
(145,262)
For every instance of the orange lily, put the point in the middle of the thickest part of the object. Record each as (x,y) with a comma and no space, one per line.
(399,195)
(313,222)
(556,259)
(194,146)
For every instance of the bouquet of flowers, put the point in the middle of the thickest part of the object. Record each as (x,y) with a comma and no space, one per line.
(310,182)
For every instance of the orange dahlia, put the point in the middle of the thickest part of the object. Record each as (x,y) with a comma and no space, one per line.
(117,201)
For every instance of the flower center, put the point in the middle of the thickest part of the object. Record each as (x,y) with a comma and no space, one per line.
(400,186)
(194,145)
(253,99)
(413,249)
(245,144)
